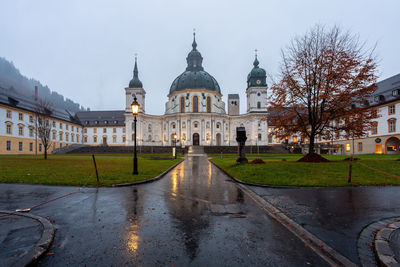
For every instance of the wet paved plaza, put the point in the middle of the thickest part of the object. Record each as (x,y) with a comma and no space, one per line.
(195,215)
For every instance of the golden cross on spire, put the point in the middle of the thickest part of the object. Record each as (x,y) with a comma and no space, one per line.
(194,31)
(135,55)
(255,51)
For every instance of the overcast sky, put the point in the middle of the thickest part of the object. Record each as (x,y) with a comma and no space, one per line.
(85,49)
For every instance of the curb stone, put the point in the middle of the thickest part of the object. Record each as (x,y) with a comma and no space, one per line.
(383,250)
(322,249)
(42,245)
(158,177)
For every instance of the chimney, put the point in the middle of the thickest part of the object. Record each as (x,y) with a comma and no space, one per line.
(36,93)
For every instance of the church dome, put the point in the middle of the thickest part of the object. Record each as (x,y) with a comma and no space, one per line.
(194,77)
(135,82)
(257,76)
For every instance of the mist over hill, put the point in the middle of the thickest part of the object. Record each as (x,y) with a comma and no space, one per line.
(12,79)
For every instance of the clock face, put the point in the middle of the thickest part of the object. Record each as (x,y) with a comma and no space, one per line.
(258,81)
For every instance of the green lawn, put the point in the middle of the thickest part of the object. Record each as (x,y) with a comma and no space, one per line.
(78,170)
(283,170)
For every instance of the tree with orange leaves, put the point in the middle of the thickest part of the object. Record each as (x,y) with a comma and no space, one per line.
(326,78)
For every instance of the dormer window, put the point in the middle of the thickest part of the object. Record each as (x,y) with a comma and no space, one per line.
(395,92)
(96,122)
(105,122)
(86,122)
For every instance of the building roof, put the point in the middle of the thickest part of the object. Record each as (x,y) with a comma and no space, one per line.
(107,118)
(233,96)
(388,90)
(194,77)
(11,98)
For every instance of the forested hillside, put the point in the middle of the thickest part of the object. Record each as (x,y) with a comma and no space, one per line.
(12,79)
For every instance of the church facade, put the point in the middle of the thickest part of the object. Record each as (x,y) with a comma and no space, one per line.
(195,111)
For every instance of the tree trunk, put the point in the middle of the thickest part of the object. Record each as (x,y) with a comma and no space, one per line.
(311,146)
(45,152)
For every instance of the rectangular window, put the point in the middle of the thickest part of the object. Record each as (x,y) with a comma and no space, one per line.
(8,129)
(360,147)
(60,125)
(348,147)
(94,130)
(66,126)
(60,145)
(61,136)
(85,130)
(30,132)
(72,138)
(20,146)
(85,139)
(9,114)
(123,130)
(269,139)
(8,145)
(72,128)
(259,137)
(20,116)
(375,128)
(114,130)
(392,109)
(104,130)
(123,139)
(392,126)
(54,124)
(114,139)
(20,130)
(66,137)
(31,147)
(94,139)
(31,119)
(54,135)
(40,147)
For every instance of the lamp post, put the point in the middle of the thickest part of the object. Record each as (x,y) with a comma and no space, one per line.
(135,110)
(175,137)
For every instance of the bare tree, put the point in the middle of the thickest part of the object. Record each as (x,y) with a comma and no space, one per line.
(326,76)
(43,112)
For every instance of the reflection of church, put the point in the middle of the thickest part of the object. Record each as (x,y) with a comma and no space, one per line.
(195,110)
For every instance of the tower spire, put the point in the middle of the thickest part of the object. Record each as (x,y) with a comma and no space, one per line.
(135,82)
(255,63)
(135,69)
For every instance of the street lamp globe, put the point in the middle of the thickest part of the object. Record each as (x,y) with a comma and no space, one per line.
(135,106)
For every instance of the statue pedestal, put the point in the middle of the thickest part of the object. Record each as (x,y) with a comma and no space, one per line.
(241,153)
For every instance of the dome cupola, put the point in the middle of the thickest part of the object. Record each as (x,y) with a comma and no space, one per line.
(194,77)
(257,76)
(135,82)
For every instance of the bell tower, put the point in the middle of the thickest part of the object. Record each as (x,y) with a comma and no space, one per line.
(257,89)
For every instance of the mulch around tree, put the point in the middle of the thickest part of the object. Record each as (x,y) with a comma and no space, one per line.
(354,159)
(257,161)
(313,157)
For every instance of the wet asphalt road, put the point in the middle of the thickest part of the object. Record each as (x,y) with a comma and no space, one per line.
(193,216)
(336,215)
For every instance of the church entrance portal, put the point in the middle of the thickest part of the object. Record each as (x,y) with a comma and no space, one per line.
(218,139)
(196,139)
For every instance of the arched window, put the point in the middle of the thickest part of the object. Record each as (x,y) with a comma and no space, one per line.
(182,108)
(149,128)
(208,104)
(195,103)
